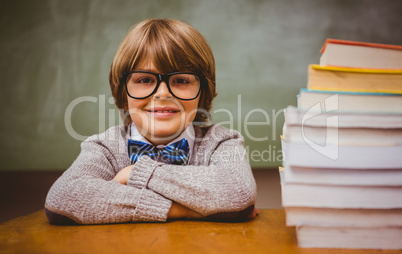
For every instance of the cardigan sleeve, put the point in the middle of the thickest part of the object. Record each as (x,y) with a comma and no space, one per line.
(86,193)
(220,182)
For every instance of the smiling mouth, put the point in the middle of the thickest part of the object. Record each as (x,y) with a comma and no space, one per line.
(163,111)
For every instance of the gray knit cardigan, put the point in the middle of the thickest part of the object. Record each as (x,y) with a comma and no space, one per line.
(217,183)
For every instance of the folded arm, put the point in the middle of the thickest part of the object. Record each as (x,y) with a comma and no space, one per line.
(86,194)
(222,186)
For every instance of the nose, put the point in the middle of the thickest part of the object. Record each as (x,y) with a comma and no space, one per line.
(163,92)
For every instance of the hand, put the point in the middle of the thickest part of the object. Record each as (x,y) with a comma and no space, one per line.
(178,211)
(254,214)
(123,175)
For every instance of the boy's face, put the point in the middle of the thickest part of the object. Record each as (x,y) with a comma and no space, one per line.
(161,117)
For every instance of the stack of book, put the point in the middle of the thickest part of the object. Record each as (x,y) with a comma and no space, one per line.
(342,171)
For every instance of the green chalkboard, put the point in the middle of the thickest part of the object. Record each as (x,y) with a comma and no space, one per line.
(56,55)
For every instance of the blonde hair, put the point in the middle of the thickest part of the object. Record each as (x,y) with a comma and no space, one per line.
(172,46)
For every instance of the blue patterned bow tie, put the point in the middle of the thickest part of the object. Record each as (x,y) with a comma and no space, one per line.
(176,153)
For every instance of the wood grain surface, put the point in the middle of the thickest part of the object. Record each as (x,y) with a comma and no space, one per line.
(265,234)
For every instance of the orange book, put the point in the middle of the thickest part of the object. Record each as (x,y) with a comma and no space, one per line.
(354,79)
(356,54)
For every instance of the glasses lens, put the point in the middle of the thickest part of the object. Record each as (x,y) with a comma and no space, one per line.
(141,85)
(184,86)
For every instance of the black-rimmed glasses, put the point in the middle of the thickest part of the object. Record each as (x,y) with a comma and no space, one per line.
(143,84)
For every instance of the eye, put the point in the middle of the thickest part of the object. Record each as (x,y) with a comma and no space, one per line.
(142,79)
(180,80)
(145,80)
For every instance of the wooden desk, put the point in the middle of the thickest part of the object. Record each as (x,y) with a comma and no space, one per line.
(265,234)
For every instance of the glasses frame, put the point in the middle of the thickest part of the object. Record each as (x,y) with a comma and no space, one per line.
(164,78)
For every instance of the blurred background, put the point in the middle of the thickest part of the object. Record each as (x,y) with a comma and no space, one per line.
(56,56)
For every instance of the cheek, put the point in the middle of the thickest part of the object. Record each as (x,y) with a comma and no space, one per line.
(134,104)
(191,108)
(136,114)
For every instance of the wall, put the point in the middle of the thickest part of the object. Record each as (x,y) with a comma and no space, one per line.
(57,53)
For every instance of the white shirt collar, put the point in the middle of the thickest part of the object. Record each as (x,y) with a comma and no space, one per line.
(188,134)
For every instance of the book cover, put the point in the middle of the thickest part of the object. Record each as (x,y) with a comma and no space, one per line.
(351,238)
(341,196)
(343,136)
(351,101)
(354,79)
(343,176)
(320,118)
(358,43)
(337,156)
(329,217)
(361,54)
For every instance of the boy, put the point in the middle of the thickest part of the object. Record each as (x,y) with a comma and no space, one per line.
(161,164)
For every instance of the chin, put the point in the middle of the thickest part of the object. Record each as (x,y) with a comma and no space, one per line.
(168,134)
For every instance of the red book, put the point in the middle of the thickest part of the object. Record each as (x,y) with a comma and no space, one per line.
(343,53)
